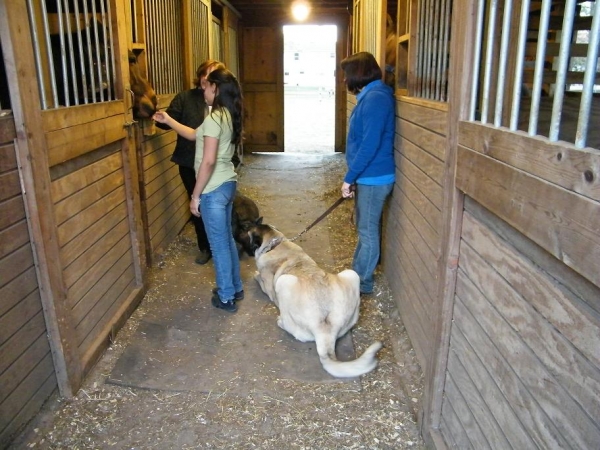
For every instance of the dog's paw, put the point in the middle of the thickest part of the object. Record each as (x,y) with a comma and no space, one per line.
(257,276)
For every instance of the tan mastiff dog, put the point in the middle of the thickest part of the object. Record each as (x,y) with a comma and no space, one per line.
(313,305)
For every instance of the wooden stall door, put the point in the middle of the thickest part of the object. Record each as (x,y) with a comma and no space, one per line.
(262,84)
(78,168)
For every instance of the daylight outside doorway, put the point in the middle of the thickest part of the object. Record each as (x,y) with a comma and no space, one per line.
(309,88)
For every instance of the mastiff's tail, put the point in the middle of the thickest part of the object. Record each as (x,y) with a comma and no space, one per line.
(342,369)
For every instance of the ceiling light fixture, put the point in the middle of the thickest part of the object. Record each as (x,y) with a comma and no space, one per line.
(300,10)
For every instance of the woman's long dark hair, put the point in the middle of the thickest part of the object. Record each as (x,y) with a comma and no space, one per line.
(360,69)
(229,95)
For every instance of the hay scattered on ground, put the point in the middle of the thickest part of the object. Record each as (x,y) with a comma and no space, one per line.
(381,415)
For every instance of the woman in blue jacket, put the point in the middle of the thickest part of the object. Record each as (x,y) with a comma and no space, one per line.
(370,158)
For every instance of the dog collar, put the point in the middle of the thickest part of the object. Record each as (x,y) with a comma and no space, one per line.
(271,245)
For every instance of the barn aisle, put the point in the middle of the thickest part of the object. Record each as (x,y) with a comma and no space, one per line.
(182,374)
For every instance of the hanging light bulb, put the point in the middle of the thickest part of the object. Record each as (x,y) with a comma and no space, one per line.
(300,10)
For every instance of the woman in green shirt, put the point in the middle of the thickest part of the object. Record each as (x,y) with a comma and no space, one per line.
(216,180)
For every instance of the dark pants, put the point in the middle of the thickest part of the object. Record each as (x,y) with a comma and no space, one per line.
(188,176)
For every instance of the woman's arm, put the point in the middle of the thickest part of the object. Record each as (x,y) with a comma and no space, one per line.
(180,129)
(205,171)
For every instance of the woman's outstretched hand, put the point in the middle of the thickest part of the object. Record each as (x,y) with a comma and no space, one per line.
(161,116)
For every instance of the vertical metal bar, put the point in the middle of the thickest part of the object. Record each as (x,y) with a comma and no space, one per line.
(447,13)
(73,76)
(83,75)
(160,45)
(88,60)
(538,77)
(113,93)
(477,59)
(563,66)
(420,50)
(134,25)
(38,58)
(63,54)
(165,47)
(428,40)
(98,53)
(441,50)
(588,80)
(151,45)
(489,54)
(518,82)
(107,50)
(501,81)
(436,32)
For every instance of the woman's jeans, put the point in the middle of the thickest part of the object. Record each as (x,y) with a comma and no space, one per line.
(216,209)
(369,208)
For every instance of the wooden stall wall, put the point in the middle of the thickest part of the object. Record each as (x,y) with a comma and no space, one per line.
(523,367)
(82,205)
(27,375)
(412,235)
(524,362)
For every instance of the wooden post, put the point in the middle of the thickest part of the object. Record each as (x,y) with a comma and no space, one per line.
(461,52)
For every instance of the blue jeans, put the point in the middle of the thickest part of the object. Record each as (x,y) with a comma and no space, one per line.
(369,208)
(216,208)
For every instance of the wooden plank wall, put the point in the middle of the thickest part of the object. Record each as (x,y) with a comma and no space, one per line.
(94,237)
(524,362)
(27,375)
(164,198)
(412,234)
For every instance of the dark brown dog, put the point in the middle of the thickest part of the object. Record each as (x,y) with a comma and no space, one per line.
(245,216)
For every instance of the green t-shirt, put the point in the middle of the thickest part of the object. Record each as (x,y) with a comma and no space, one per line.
(218,125)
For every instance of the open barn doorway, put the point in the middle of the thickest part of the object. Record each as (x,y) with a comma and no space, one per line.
(309,88)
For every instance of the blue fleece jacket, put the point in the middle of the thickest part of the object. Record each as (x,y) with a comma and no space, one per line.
(370,143)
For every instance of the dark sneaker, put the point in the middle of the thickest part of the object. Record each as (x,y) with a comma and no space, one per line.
(237,296)
(228,306)
(203,257)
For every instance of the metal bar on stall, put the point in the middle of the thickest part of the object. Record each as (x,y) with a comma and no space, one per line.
(158,63)
(519,63)
(428,40)
(151,46)
(173,84)
(36,49)
(63,54)
(98,54)
(435,48)
(107,50)
(73,78)
(489,55)
(112,49)
(164,47)
(83,75)
(538,76)
(90,63)
(444,89)
(477,59)
(588,80)
(134,23)
(563,66)
(441,76)
(501,80)
(420,50)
